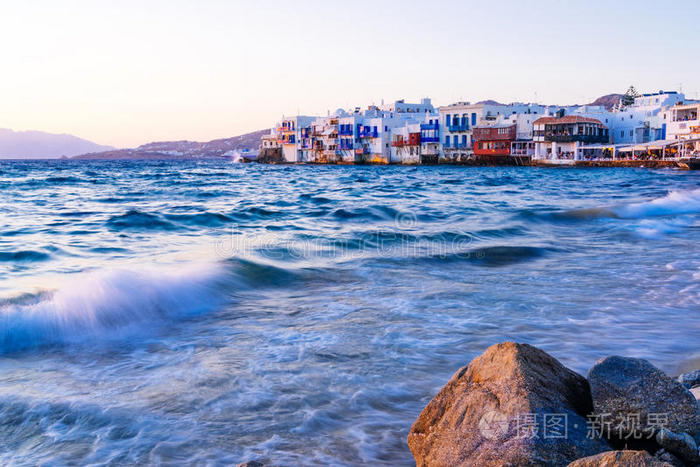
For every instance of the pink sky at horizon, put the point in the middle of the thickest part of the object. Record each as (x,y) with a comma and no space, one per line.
(124,74)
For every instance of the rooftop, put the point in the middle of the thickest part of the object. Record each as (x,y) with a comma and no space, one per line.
(565,119)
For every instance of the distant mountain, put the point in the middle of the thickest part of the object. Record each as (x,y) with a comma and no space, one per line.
(608,101)
(183,149)
(490,102)
(41,145)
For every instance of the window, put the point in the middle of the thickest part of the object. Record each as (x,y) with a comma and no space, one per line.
(386,128)
(473,119)
(447,140)
(622,134)
(447,119)
(464,140)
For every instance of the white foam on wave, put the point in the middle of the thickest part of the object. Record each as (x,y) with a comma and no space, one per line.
(674,203)
(107,304)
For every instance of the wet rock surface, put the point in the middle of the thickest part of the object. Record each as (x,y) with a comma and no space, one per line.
(621,459)
(681,445)
(513,405)
(637,399)
(666,456)
(690,380)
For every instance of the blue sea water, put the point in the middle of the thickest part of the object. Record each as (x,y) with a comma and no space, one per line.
(207,313)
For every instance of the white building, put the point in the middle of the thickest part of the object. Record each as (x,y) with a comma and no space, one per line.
(459,119)
(270,141)
(684,126)
(559,139)
(289,136)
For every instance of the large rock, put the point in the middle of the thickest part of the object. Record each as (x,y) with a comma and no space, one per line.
(682,445)
(632,398)
(691,379)
(664,455)
(621,459)
(492,413)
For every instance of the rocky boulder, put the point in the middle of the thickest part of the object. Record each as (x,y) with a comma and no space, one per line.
(690,380)
(620,459)
(682,445)
(632,399)
(513,405)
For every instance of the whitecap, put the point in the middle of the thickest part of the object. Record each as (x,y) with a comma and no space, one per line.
(108,304)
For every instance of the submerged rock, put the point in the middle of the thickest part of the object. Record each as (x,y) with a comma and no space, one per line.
(251,464)
(513,405)
(621,459)
(633,400)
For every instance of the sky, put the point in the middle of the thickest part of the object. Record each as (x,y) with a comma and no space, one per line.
(129,72)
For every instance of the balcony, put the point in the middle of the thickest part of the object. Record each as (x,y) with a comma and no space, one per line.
(286,128)
(458,128)
(399,143)
(455,146)
(345,131)
(508,133)
(368,134)
(586,139)
(430,132)
(346,145)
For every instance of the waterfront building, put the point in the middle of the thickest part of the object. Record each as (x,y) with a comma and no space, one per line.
(494,140)
(460,118)
(391,133)
(411,133)
(559,139)
(643,121)
(457,120)
(406,144)
(684,128)
(289,137)
(270,141)
(430,140)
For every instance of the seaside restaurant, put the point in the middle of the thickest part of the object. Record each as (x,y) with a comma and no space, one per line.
(653,150)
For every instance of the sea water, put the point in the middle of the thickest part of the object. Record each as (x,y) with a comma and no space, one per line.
(205,312)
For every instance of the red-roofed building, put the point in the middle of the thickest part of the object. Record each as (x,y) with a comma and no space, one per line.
(493,140)
(560,138)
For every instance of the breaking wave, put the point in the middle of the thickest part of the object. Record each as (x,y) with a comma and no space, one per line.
(674,203)
(107,305)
